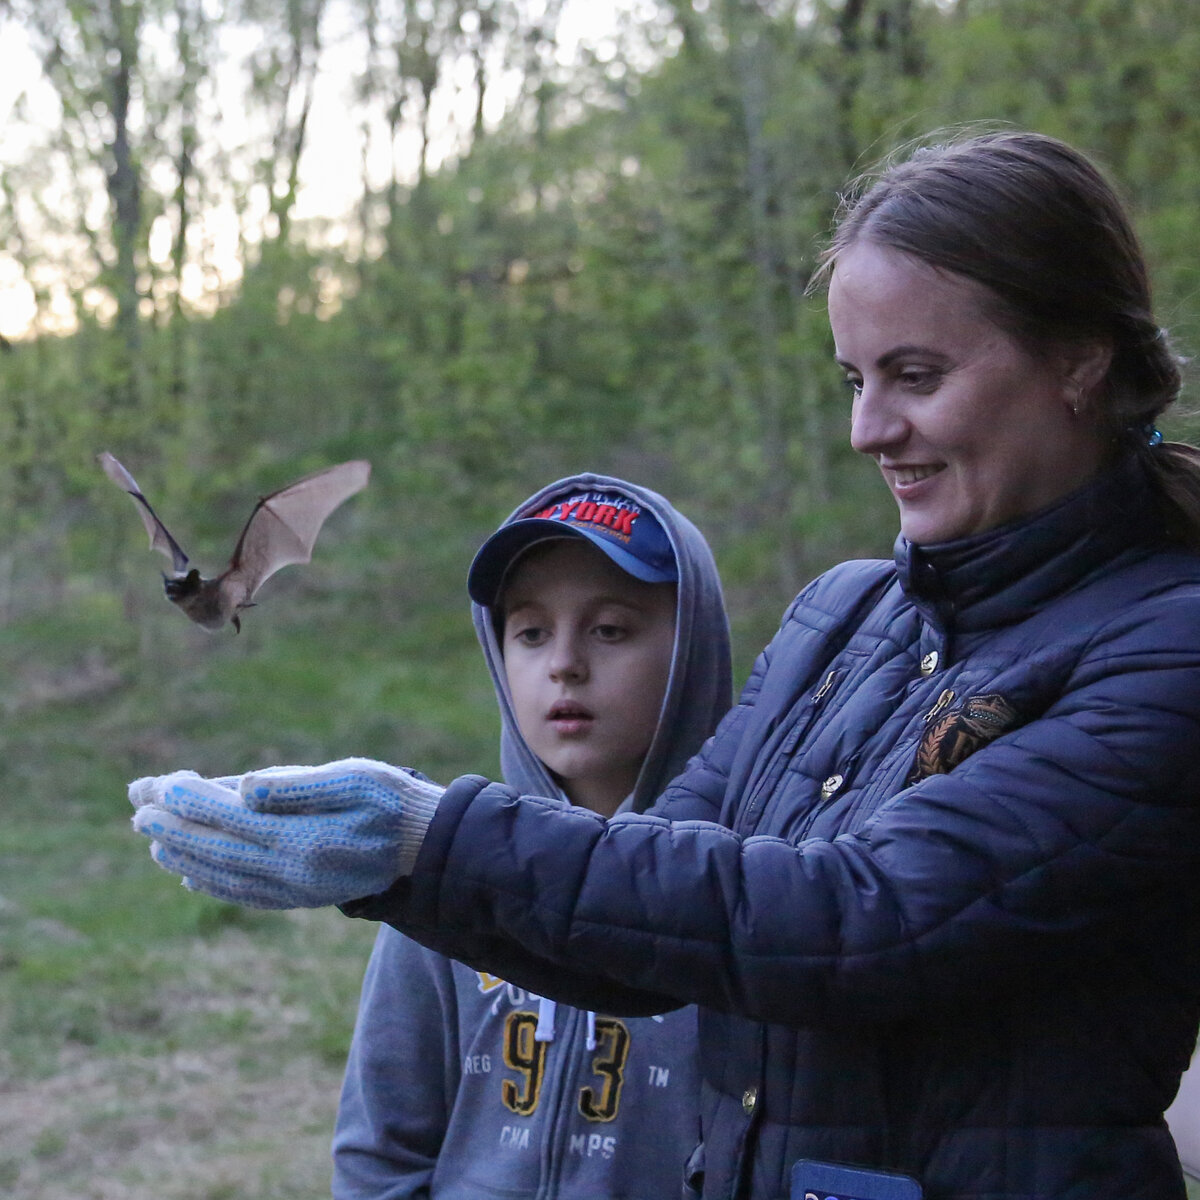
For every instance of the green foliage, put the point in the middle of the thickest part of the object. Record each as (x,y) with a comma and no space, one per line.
(612,278)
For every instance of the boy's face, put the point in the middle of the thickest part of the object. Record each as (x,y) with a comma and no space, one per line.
(587,653)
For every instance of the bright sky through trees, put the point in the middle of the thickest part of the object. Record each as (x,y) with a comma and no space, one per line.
(337,145)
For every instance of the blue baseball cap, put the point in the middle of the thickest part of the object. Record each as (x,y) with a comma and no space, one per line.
(617,525)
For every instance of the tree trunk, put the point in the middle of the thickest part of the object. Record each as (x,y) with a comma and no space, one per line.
(124,191)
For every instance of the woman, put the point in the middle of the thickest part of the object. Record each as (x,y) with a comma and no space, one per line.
(937,890)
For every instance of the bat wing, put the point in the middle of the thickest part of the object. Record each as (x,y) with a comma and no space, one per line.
(160,537)
(283,527)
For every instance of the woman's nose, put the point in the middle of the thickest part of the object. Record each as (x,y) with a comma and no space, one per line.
(875,425)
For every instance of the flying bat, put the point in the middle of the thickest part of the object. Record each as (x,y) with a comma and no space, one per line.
(282,529)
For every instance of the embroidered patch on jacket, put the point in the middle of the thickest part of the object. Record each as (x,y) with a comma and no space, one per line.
(958,732)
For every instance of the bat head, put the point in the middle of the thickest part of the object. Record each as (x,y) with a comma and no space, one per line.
(182,588)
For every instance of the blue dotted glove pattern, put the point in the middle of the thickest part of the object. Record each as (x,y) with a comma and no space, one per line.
(287,837)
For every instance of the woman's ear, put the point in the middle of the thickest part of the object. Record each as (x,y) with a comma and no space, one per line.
(1085,366)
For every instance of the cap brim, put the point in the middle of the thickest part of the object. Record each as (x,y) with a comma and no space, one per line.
(497,555)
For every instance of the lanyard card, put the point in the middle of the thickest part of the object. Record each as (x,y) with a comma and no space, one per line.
(812,1180)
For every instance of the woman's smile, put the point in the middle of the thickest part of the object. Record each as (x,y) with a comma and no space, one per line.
(969,428)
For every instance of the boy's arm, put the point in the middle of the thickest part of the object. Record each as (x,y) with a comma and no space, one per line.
(401,1078)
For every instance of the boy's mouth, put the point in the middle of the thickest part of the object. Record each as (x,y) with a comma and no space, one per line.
(569,717)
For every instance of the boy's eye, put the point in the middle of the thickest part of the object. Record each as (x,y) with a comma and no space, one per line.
(529,635)
(610,633)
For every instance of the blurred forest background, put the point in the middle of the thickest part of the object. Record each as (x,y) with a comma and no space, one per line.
(556,254)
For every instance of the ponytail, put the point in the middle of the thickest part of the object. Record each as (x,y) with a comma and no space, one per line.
(1174,469)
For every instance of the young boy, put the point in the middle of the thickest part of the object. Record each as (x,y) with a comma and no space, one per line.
(600,615)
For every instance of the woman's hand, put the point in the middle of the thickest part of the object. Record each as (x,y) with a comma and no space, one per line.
(287,837)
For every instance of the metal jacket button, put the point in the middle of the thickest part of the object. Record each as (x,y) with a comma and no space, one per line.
(749,1100)
(929,663)
(831,785)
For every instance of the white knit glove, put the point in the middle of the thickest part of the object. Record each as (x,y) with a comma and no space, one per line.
(288,837)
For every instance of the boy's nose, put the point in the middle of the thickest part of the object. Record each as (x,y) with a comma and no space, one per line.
(568,663)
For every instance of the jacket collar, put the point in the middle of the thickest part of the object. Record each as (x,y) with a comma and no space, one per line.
(1005,574)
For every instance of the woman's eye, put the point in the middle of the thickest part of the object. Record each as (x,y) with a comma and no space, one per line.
(920,379)
(853,383)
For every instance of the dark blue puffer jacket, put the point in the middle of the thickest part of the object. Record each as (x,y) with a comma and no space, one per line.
(935,882)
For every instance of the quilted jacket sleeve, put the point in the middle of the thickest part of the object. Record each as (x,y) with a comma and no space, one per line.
(409,906)
(1037,850)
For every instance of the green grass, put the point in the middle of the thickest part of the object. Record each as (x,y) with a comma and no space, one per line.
(164,1044)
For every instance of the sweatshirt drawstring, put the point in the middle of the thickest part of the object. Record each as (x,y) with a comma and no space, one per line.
(545,1025)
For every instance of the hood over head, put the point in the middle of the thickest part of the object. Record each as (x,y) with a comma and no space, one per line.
(641,532)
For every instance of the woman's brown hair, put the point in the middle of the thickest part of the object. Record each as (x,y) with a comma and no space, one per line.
(1038,225)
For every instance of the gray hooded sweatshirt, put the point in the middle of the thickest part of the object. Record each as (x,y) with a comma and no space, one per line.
(460,1085)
